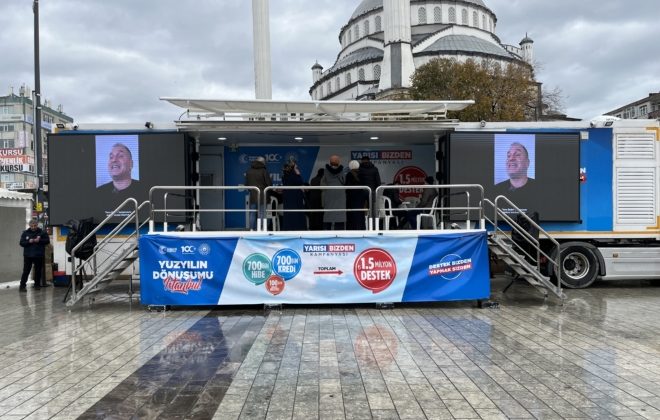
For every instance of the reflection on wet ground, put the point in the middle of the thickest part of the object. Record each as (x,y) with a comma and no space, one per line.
(597,356)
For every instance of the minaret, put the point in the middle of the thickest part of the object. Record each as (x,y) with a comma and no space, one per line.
(261,28)
(527,46)
(398,65)
(317,71)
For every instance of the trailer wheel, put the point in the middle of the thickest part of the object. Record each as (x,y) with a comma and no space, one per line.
(579,267)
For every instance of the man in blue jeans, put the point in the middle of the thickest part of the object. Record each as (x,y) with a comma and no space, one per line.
(33,241)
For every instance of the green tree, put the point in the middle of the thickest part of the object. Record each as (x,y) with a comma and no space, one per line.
(501,92)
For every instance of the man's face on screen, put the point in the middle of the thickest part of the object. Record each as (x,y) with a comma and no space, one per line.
(120,163)
(517,161)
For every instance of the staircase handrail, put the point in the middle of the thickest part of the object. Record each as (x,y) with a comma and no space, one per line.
(528,237)
(98,247)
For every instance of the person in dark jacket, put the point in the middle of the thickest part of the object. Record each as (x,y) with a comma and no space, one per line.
(293,199)
(257,176)
(315,202)
(369,176)
(334,200)
(355,199)
(33,241)
(428,195)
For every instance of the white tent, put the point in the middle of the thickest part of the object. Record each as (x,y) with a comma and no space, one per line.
(15,213)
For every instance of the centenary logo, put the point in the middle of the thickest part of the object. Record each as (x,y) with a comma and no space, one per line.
(204,249)
(164,250)
(270,158)
(188,249)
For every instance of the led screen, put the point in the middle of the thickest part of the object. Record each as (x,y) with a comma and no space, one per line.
(538,172)
(91,174)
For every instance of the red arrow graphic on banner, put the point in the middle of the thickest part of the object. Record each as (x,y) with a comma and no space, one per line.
(337,272)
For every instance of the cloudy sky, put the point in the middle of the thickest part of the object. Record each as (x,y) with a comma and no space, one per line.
(110,60)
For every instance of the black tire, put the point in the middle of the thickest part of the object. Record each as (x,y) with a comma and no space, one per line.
(580,266)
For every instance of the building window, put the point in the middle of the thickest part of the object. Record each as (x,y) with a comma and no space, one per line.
(452,15)
(350,35)
(6,128)
(366,27)
(475,19)
(379,24)
(421,15)
(329,88)
(348,79)
(643,110)
(376,72)
(337,83)
(437,15)
(464,16)
(5,109)
(321,91)
(361,75)
(618,115)
(357,32)
(7,144)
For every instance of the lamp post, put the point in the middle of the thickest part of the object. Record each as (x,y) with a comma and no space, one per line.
(37,109)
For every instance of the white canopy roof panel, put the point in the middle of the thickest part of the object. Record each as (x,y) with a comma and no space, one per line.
(221,107)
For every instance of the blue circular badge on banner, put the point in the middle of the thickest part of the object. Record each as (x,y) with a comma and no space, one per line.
(286,263)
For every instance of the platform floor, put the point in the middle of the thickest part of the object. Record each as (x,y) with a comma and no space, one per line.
(598,357)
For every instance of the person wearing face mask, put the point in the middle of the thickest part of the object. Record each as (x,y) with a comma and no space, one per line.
(334,200)
(33,241)
(120,165)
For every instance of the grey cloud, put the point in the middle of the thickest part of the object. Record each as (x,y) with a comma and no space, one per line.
(109,61)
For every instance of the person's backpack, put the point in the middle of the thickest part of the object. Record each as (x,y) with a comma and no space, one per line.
(78,230)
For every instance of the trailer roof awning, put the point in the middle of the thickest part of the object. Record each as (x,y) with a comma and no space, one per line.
(338,109)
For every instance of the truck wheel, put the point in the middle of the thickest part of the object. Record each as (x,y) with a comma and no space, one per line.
(579,267)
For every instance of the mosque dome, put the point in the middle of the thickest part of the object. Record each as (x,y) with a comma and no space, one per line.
(456,29)
(367,6)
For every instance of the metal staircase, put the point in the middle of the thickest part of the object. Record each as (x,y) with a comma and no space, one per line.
(524,259)
(117,251)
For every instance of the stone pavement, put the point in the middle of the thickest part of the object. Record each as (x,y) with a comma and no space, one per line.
(598,356)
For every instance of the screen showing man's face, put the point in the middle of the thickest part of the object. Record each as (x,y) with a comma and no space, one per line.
(517,161)
(120,163)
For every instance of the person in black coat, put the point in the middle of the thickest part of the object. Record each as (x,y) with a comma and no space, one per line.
(33,241)
(293,199)
(369,176)
(315,202)
(355,199)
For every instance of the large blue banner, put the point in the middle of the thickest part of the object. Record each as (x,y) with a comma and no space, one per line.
(180,270)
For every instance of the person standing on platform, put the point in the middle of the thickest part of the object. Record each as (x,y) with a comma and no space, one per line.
(314,202)
(334,200)
(257,176)
(33,241)
(369,176)
(293,199)
(355,199)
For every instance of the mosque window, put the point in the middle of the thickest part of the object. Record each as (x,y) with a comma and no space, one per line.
(464,16)
(357,32)
(337,83)
(475,19)
(321,91)
(376,72)
(329,88)
(348,79)
(421,15)
(351,40)
(366,27)
(361,75)
(452,15)
(379,24)
(437,15)
(483,22)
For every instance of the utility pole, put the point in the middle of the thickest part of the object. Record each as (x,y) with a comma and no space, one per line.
(37,111)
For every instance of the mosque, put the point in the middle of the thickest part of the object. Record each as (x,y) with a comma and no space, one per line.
(384,41)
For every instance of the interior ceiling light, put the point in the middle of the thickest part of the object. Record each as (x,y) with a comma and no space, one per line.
(298,139)
(222,138)
(374,138)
